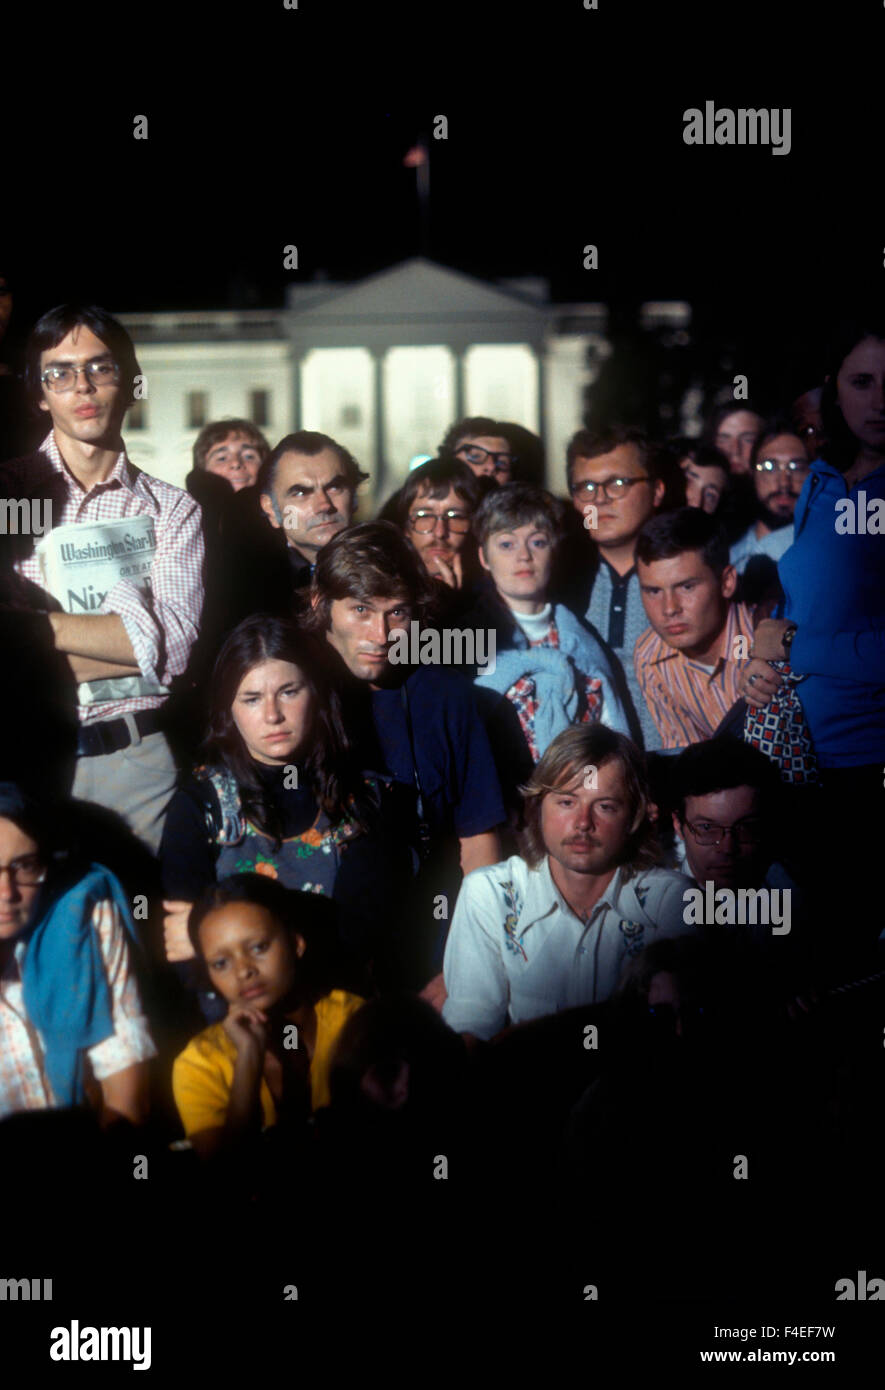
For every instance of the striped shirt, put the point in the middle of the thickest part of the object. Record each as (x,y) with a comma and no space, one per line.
(161,624)
(24,1084)
(687,700)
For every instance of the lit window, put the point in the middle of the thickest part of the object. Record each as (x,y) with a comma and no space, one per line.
(259,408)
(197,409)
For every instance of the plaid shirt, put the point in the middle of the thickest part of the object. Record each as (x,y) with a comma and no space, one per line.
(524,698)
(161,624)
(24,1084)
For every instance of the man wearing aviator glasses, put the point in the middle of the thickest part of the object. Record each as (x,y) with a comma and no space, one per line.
(779,468)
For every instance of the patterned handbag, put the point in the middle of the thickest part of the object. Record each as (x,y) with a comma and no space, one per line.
(780,731)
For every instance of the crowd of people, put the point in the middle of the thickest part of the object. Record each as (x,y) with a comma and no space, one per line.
(498,832)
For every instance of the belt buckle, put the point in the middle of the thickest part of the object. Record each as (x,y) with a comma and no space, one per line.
(98,739)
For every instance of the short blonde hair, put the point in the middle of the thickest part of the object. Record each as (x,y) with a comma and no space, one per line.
(571,752)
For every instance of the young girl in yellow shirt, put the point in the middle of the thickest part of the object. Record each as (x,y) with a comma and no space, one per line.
(270,1055)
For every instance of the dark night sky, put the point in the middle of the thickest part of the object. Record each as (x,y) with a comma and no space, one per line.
(571,133)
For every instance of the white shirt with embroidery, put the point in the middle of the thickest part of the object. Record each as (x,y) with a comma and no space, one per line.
(516,950)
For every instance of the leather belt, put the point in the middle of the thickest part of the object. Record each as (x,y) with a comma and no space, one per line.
(110,735)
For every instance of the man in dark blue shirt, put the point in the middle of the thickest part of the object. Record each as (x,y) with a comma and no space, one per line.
(420,725)
(367,585)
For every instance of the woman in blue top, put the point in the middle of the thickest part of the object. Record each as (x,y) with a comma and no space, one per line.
(548,668)
(833,626)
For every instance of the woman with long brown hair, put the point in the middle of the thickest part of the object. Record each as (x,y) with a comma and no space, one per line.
(277,793)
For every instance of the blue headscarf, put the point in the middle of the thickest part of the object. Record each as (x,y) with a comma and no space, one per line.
(65,986)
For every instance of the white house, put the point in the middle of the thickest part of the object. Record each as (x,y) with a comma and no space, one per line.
(384,365)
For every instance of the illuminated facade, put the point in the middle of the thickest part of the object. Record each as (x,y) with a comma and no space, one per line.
(384,365)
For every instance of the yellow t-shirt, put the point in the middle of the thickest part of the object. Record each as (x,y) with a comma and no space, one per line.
(203,1074)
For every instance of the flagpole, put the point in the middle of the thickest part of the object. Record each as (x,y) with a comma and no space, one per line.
(424,200)
(418,158)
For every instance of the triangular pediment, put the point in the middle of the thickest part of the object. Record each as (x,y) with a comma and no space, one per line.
(417,291)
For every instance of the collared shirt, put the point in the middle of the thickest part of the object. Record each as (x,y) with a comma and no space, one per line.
(517,951)
(616,611)
(161,624)
(688,700)
(24,1084)
(773,544)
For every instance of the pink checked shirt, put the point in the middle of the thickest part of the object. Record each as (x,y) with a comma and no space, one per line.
(24,1084)
(162,624)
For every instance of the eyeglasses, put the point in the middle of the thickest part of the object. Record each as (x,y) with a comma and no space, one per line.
(779,466)
(425,521)
(26,872)
(611,489)
(706,832)
(100,372)
(475,453)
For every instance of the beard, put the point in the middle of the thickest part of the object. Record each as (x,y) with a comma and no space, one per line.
(775,521)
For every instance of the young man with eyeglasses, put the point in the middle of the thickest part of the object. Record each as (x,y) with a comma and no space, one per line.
(779,469)
(481,444)
(615,490)
(434,508)
(133,640)
(724,795)
(727,799)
